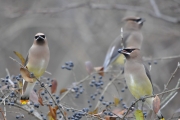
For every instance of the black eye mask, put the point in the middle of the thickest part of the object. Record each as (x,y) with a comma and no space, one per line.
(41,36)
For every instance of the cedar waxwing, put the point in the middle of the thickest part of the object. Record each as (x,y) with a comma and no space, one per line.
(132,36)
(36,62)
(137,76)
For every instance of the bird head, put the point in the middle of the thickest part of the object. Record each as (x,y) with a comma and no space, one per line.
(40,38)
(134,22)
(129,52)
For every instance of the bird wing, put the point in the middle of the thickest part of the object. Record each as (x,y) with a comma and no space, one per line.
(25,83)
(148,75)
(112,52)
(26,61)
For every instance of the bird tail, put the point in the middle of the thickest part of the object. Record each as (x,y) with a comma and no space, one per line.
(27,88)
(160,116)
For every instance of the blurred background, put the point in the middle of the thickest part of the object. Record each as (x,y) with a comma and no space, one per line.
(82,30)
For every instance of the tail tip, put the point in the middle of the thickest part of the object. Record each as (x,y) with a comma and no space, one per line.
(24,100)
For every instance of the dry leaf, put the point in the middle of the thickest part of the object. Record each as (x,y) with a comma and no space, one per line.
(54,86)
(50,117)
(52,112)
(26,76)
(156,104)
(89,67)
(94,112)
(139,115)
(65,114)
(40,100)
(63,90)
(110,118)
(100,70)
(20,57)
(33,97)
(116,101)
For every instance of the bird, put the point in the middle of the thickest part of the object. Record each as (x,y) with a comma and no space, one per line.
(36,62)
(132,35)
(138,77)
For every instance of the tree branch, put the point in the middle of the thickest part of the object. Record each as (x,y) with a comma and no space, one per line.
(27,109)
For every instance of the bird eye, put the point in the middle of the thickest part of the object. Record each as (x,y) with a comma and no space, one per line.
(137,20)
(129,50)
(43,36)
(36,37)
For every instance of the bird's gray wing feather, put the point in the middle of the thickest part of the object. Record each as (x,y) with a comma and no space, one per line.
(149,76)
(25,83)
(112,53)
(26,61)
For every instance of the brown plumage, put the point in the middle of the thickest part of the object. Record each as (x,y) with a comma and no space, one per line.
(137,76)
(132,36)
(37,61)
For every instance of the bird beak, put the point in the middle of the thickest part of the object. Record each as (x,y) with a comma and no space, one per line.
(123,51)
(141,21)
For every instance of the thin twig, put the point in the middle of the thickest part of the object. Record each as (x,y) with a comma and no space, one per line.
(9,77)
(172,76)
(27,109)
(109,7)
(106,87)
(155,7)
(86,78)
(91,115)
(170,96)
(133,8)
(48,72)
(169,99)
(74,75)
(162,58)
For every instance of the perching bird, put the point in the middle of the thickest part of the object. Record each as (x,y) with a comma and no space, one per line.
(137,76)
(36,62)
(132,36)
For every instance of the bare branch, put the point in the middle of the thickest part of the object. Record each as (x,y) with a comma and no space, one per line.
(110,7)
(170,96)
(106,87)
(27,109)
(155,7)
(86,78)
(162,58)
(172,76)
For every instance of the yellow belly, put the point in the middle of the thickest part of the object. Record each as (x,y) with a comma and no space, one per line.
(37,71)
(139,88)
(120,60)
